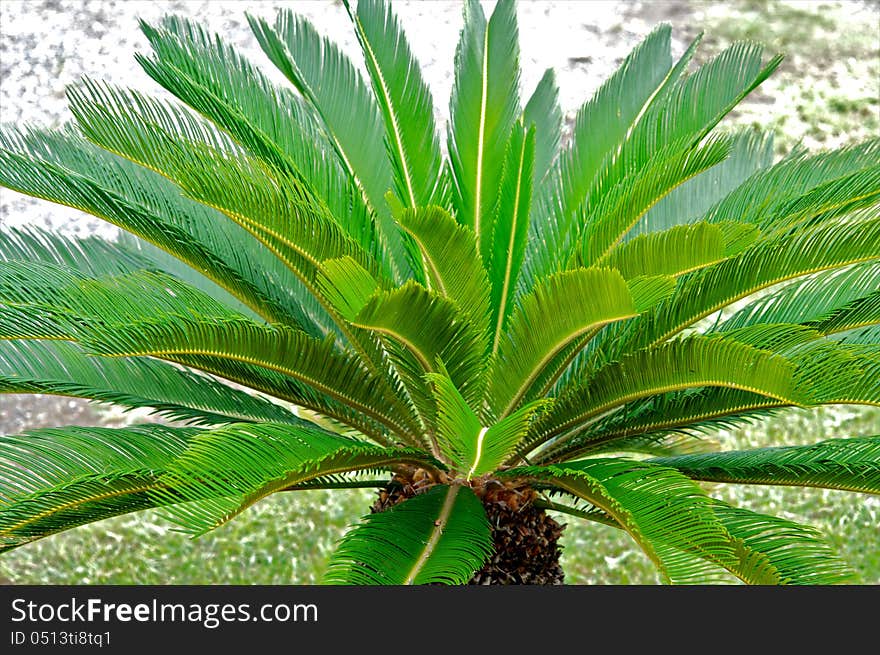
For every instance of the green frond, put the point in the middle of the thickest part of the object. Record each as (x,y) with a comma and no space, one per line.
(767,550)
(92,255)
(688,363)
(811,300)
(224,471)
(852,464)
(59,368)
(45,301)
(405,102)
(861,312)
(483,108)
(563,308)
(441,536)
(63,167)
(665,513)
(317,363)
(688,412)
(600,126)
(750,151)
(217,174)
(543,111)
(773,550)
(333,414)
(328,80)
(773,197)
(452,263)
(622,206)
(431,328)
(472,448)
(679,249)
(271,123)
(56,479)
(510,227)
(347,285)
(764,264)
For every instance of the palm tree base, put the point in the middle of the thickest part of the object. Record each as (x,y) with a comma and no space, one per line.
(525,536)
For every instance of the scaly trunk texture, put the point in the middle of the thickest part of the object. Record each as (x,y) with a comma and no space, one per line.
(526,538)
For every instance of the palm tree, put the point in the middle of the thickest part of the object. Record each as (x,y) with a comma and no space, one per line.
(313,292)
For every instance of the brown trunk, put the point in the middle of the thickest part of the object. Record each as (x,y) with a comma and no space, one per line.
(525,537)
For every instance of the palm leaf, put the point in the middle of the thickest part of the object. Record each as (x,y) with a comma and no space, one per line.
(622,206)
(92,255)
(663,511)
(452,263)
(224,471)
(818,300)
(431,328)
(750,151)
(679,249)
(336,91)
(314,362)
(773,550)
(62,167)
(59,478)
(406,105)
(510,226)
(692,362)
(765,264)
(566,306)
(271,123)
(51,367)
(543,111)
(763,197)
(601,125)
(851,464)
(483,108)
(688,412)
(441,536)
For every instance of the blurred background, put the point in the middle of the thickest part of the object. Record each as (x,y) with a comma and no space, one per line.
(825,94)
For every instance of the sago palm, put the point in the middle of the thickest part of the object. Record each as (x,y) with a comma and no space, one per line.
(323,293)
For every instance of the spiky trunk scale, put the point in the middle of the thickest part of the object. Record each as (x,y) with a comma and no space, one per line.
(525,536)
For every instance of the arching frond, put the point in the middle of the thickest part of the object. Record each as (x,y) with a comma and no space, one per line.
(56,479)
(314,362)
(773,550)
(328,80)
(600,126)
(405,102)
(622,206)
(762,199)
(680,249)
(270,122)
(453,266)
(441,536)
(483,108)
(851,464)
(54,367)
(688,363)
(224,471)
(63,167)
(765,264)
(666,514)
(566,306)
(751,150)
